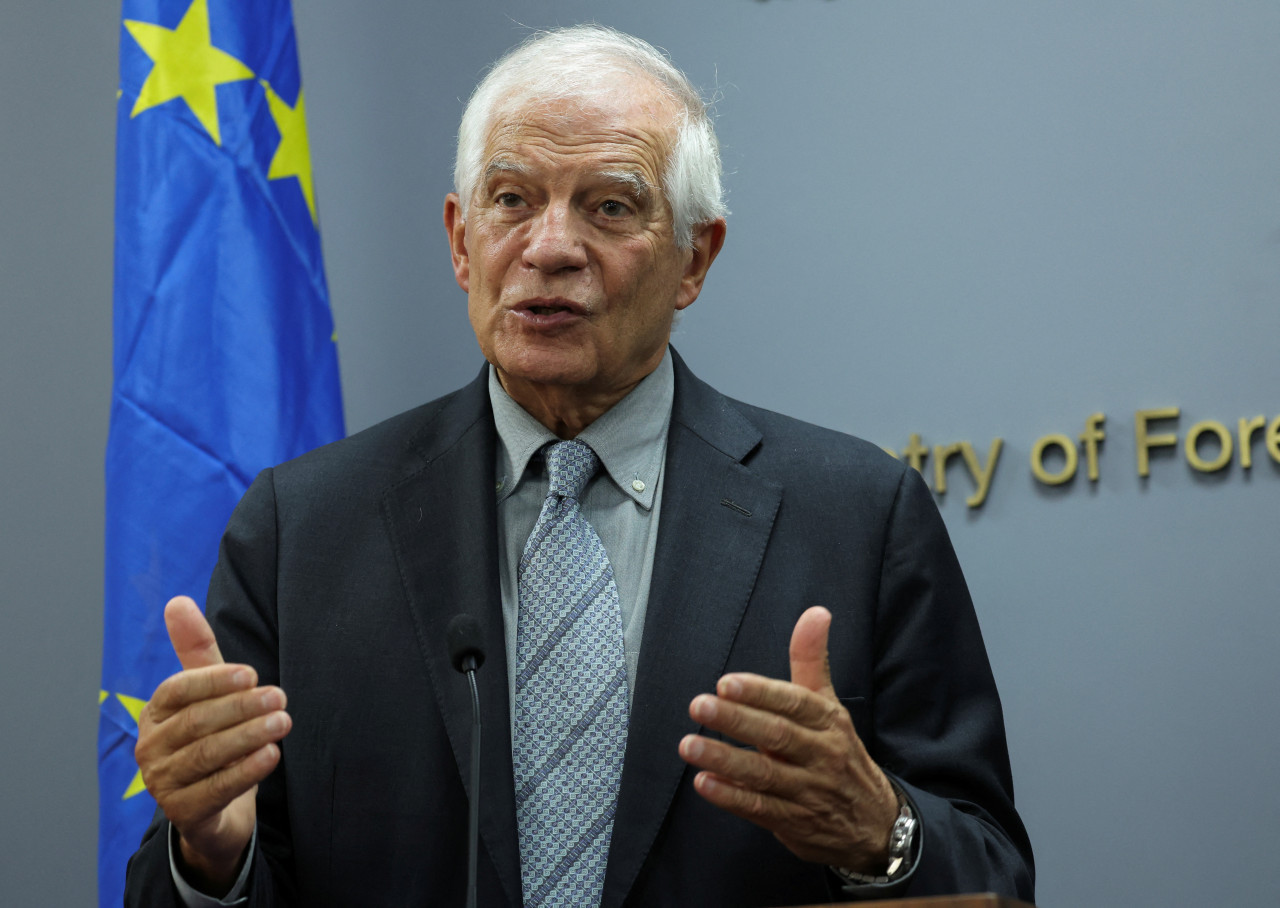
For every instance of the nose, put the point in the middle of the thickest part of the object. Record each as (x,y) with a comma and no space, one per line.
(554,243)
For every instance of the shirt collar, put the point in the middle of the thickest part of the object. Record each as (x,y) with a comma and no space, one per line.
(630,438)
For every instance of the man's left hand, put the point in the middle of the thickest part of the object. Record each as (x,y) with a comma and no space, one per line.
(809,780)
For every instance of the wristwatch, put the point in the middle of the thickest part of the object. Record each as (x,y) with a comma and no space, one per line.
(901,836)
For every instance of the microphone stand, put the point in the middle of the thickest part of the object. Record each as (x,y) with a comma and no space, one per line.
(473,814)
(465,637)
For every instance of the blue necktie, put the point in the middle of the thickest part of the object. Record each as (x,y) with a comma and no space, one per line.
(571,695)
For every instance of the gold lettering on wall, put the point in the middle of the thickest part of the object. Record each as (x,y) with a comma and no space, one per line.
(941,454)
(1209,446)
(1247,428)
(1273,439)
(1068,449)
(1091,437)
(1146,441)
(1191,446)
(980,471)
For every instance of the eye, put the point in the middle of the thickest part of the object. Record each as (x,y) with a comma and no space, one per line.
(612,208)
(508,200)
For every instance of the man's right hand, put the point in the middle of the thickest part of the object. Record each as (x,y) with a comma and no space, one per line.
(205,740)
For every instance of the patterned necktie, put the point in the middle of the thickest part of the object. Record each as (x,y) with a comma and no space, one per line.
(571,695)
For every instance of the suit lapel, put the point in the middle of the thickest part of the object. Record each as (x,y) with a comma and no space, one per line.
(714,525)
(443,524)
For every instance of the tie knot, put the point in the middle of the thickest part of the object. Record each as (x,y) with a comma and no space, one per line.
(569,465)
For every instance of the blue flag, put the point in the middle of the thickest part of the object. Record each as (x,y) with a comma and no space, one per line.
(225,358)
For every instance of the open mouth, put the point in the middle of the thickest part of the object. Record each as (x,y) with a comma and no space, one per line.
(547,308)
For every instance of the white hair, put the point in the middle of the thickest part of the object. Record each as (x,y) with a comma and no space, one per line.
(573,63)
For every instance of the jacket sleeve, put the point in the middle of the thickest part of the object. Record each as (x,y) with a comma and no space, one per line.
(241,610)
(938,725)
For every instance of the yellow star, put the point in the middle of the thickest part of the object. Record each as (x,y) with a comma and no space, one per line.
(187,66)
(134,707)
(293,156)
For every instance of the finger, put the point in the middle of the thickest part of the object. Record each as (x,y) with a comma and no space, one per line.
(809,666)
(198,684)
(768,731)
(758,807)
(210,755)
(190,634)
(798,703)
(211,716)
(806,832)
(745,768)
(190,805)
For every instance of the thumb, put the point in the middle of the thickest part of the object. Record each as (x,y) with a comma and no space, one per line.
(190,634)
(809,667)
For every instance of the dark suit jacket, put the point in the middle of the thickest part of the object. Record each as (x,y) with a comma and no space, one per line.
(340,570)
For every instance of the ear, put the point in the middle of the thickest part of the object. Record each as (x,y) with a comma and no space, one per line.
(456,228)
(707,240)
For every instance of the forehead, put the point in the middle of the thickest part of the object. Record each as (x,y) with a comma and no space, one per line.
(629,127)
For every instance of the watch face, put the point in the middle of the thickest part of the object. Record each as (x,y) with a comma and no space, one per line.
(900,836)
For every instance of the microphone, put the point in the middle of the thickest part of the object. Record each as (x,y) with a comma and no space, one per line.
(466,642)
(465,637)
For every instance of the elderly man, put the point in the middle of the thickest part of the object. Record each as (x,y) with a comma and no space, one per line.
(638,547)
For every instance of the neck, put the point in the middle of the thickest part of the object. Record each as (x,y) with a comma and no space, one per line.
(564,409)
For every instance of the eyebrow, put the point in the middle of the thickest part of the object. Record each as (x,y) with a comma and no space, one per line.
(636,184)
(505,167)
(640,188)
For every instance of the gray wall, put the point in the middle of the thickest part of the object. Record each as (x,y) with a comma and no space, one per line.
(963,220)
(57,134)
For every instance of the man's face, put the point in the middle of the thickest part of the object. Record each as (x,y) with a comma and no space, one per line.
(567,253)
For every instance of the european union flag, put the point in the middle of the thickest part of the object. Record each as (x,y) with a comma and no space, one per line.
(224,356)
